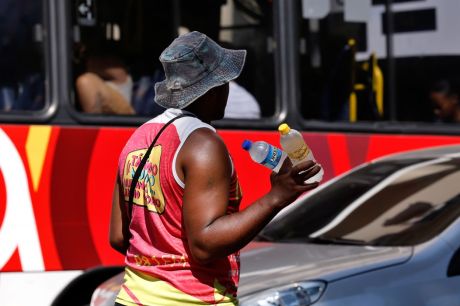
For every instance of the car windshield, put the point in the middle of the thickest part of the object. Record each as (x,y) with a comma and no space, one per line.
(387,203)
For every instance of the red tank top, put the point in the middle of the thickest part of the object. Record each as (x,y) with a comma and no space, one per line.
(158,245)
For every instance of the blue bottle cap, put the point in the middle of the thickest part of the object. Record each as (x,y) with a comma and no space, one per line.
(246,145)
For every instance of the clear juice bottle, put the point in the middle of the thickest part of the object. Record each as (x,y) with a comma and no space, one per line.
(294,145)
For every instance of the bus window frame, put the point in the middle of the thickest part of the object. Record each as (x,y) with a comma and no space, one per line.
(49,69)
(72,114)
(390,126)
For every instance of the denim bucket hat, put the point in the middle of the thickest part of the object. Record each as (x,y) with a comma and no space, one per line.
(193,64)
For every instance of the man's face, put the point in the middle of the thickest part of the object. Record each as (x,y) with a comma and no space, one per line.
(444,104)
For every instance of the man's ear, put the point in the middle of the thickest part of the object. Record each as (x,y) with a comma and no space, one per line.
(454,98)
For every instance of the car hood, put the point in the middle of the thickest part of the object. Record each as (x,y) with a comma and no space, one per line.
(266,265)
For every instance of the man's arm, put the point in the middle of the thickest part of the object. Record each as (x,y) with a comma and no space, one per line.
(206,168)
(119,221)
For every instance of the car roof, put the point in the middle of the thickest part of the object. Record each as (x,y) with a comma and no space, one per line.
(426,153)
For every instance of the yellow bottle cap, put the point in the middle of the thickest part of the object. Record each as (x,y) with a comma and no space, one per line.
(284,129)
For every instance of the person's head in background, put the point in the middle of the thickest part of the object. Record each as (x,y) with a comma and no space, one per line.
(445,96)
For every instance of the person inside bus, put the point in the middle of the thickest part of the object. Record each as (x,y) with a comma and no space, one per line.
(106,86)
(445,95)
(241,103)
(183,233)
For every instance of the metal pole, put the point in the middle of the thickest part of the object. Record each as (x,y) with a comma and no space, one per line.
(177,18)
(288,48)
(390,69)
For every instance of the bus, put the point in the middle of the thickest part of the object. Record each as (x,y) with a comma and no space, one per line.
(353,76)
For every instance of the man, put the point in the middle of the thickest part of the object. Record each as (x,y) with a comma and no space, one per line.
(445,96)
(185,231)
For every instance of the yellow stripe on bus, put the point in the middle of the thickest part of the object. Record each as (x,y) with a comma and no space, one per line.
(36,147)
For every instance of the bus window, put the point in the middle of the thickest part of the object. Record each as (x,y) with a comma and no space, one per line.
(345,72)
(115,54)
(329,70)
(22,73)
(117,45)
(427,54)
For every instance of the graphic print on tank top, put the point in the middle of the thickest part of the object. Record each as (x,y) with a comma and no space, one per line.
(148,190)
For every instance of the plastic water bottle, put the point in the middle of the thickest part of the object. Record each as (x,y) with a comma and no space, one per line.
(265,154)
(298,151)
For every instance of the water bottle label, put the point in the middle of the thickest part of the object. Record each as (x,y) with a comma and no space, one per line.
(300,153)
(273,157)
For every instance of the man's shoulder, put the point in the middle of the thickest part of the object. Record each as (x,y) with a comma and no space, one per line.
(205,141)
(205,150)
(205,136)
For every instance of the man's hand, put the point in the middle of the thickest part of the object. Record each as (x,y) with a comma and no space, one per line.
(289,182)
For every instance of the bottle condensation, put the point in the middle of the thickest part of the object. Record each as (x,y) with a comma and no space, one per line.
(265,154)
(294,145)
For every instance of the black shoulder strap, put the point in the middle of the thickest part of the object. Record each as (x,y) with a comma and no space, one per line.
(139,169)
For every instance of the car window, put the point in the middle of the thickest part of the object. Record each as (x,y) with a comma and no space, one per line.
(373,206)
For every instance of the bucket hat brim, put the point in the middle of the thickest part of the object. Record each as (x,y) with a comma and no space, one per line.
(228,69)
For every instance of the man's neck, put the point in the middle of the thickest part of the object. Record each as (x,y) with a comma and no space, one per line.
(197,111)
